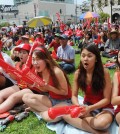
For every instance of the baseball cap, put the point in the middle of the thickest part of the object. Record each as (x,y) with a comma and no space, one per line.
(57,35)
(25,36)
(63,36)
(39,33)
(23,46)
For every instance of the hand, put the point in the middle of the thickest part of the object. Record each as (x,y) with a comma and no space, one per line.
(42,88)
(12,76)
(59,59)
(85,112)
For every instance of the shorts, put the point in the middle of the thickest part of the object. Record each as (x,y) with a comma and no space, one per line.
(8,83)
(56,101)
(97,111)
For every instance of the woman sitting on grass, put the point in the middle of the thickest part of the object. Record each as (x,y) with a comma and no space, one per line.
(59,93)
(13,94)
(116,91)
(95,82)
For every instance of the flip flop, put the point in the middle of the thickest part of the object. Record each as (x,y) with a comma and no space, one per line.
(4,115)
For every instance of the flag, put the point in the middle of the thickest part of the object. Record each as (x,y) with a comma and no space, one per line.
(58,17)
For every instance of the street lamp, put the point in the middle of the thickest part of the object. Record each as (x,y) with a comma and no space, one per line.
(111,9)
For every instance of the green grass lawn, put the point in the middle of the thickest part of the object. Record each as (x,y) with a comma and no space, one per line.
(32,125)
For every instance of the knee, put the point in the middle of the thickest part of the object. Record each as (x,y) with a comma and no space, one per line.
(26,97)
(13,98)
(101,124)
(118,118)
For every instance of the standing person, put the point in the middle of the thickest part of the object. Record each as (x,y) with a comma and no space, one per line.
(116,91)
(59,93)
(95,82)
(66,55)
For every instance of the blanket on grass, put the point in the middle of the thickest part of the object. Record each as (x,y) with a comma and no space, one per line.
(62,127)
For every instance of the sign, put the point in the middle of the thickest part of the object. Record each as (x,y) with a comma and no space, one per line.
(116,9)
(8,8)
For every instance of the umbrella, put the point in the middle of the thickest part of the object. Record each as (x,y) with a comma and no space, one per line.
(88,15)
(39,21)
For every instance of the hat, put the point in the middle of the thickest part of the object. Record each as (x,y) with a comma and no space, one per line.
(25,36)
(26,47)
(63,36)
(57,35)
(39,33)
(113,31)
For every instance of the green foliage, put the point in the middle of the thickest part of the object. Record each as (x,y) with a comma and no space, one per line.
(4,24)
(103,16)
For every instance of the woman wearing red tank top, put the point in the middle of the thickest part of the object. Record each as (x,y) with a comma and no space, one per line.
(116,91)
(95,82)
(56,84)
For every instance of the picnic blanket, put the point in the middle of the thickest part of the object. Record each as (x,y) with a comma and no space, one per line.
(62,127)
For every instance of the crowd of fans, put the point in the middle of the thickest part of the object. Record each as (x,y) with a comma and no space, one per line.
(62,42)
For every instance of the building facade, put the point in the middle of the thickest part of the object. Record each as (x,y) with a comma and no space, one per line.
(112,7)
(66,9)
(18,2)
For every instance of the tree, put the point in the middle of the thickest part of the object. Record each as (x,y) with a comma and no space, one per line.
(104,16)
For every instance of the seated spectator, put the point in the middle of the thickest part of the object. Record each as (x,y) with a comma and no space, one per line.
(55,43)
(66,55)
(5,80)
(112,45)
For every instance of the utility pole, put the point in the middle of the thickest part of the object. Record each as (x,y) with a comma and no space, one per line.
(92,5)
(111,9)
(76,11)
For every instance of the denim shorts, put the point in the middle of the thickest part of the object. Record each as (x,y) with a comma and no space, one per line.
(97,111)
(56,101)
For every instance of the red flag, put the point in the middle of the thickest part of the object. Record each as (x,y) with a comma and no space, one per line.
(58,17)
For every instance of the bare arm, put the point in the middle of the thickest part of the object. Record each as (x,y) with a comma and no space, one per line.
(63,88)
(115,100)
(75,89)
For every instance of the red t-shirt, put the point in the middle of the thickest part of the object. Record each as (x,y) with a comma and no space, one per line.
(55,45)
(41,40)
(79,33)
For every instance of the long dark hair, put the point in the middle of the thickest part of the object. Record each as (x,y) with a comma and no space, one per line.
(44,54)
(98,80)
(117,62)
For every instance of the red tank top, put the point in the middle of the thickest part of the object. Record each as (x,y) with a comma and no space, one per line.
(118,107)
(94,98)
(57,96)
(22,84)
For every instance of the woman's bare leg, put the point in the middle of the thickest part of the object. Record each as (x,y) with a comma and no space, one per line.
(37,102)
(5,93)
(12,100)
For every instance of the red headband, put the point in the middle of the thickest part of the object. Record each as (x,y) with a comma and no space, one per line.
(40,49)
